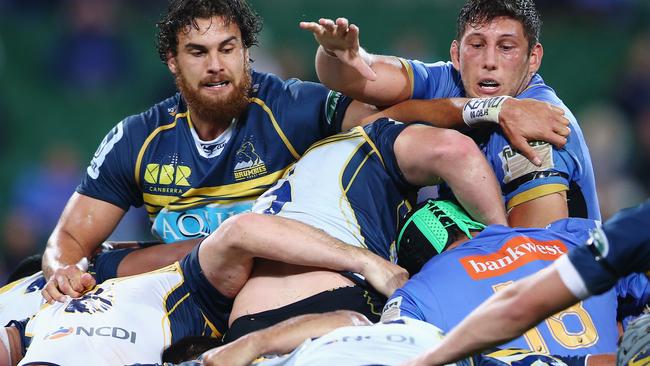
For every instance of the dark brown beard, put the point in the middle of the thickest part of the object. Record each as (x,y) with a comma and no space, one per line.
(221,111)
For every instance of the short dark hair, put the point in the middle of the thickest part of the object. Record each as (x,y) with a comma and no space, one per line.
(183,13)
(476,12)
(189,348)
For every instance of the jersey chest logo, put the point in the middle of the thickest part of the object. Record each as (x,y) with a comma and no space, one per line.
(248,163)
(515,253)
(97,301)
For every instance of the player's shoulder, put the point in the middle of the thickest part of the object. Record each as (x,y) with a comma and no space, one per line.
(270,88)
(160,114)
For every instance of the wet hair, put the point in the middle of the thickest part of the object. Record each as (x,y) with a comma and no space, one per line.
(476,12)
(26,267)
(184,13)
(189,348)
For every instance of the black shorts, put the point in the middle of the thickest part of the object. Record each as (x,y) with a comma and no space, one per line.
(363,300)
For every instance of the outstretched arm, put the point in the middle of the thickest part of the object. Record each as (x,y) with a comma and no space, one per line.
(504,316)
(227,255)
(344,66)
(281,338)
(520,120)
(85,223)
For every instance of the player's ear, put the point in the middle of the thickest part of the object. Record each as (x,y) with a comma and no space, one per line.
(172,63)
(454,52)
(535,59)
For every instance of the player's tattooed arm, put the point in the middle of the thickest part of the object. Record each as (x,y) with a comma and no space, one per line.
(281,338)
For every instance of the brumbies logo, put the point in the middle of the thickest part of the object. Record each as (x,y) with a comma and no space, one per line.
(98,301)
(515,253)
(249,164)
(37,285)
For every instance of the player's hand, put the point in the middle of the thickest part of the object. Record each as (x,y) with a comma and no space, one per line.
(238,353)
(65,282)
(383,275)
(341,39)
(524,120)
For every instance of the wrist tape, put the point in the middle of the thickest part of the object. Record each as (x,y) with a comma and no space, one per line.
(478,110)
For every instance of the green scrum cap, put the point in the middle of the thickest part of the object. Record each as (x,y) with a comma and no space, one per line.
(432,222)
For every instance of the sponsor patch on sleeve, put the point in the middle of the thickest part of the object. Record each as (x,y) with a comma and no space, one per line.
(516,165)
(331,103)
(392,310)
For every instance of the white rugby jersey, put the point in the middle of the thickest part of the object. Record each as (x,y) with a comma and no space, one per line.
(122,321)
(348,185)
(22,298)
(381,344)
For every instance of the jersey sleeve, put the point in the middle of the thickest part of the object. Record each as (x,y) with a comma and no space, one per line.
(401,304)
(308,112)
(105,264)
(620,247)
(521,180)
(383,133)
(435,80)
(110,177)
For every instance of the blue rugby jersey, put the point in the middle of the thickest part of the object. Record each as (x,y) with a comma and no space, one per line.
(620,247)
(455,282)
(567,169)
(348,185)
(189,187)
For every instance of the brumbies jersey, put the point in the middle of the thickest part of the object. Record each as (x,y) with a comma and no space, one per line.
(567,169)
(454,283)
(348,185)
(22,298)
(190,186)
(121,322)
(392,343)
(620,247)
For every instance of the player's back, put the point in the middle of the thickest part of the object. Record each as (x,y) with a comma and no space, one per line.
(121,321)
(22,298)
(347,185)
(452,284)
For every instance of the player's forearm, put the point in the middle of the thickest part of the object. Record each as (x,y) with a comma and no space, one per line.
(154,257)
(291,241)
(391,86)
(286,336)
(338,75)
(443,113)
(63,249)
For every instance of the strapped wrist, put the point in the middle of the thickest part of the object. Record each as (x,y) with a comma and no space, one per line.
(479,110)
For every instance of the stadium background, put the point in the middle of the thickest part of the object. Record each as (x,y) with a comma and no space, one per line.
(71,69)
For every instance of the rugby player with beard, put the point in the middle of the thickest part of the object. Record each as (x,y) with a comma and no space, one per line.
(201,156)
(208,152)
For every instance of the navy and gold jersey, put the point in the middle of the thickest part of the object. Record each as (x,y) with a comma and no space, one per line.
(190,186)
(348,185)
(454,283)
(568,169)
(618,248)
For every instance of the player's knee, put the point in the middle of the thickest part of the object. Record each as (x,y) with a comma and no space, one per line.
(232,230)
(447,145)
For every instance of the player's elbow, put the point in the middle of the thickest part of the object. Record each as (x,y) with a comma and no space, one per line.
(352,318)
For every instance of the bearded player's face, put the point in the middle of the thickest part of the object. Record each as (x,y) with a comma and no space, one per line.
(212,69)
(493,58)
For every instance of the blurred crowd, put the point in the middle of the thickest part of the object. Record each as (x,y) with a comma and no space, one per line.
(70,68)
